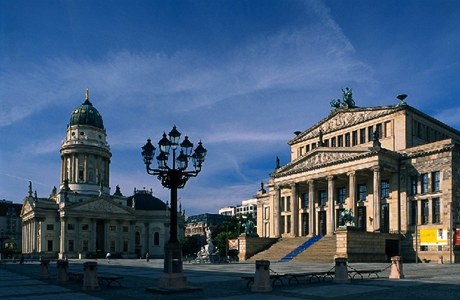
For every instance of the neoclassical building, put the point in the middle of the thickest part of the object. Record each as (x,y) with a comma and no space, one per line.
(394,167)
(82,217)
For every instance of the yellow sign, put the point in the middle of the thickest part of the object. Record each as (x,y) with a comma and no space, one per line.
(433,236)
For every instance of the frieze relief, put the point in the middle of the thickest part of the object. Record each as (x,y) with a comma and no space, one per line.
(345,119)
(318,159)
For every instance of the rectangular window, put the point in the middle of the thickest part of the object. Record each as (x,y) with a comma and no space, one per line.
(322,198)
(50,245)
(362,135)
(282,206)
(85,227)
(425,212)
(413,213)
(370,133)
(125,229)
(85,245)
(340,140)
(125,246)
(307,148)
(333,142)
(49,226)
(413,185)
(362,192)
(112,246)
(385,189)
(436,210)
(435,181)
(71,246)
(113,228)
(347,139)
(267,213)
(288,203)
(313,146)
(288,220)
(326,143)
(70,226)
(378,128)
(354,138)
(305,200)
(424,179)
(424,248)
(341,195)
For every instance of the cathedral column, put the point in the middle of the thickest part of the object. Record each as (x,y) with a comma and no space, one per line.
(147,237)
(352,192)
(330,225)
(132,237)
(77,243)
(312,208)
(294,210)
(276,212)
(62,241)
(376,202)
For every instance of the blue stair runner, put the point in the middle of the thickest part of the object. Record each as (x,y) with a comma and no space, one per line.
(300,249)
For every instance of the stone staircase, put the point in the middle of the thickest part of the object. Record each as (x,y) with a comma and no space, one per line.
(321,251)
(279,249)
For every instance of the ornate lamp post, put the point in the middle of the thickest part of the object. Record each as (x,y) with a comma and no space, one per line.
(173,172)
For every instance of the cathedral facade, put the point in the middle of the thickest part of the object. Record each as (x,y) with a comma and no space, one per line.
(82,218)
(388,169)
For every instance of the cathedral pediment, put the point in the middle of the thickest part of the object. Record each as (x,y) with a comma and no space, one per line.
(320,158)
(26,208)
(99,205)
(342,118)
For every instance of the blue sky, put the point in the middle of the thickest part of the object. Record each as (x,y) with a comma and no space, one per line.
(242,76)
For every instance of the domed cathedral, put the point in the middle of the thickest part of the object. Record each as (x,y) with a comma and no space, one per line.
(85,153)
(81,218)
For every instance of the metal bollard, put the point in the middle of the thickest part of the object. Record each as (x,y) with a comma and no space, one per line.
(341,270)
(90,282)
(396,271)
(262,277)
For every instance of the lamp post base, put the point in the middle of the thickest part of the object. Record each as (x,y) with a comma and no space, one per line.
(173,277)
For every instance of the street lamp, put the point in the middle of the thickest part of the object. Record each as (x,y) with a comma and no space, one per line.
(173,172)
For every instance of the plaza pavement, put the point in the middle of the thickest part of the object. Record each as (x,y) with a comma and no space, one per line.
(224,282)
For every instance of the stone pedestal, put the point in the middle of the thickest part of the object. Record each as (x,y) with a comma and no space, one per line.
(173,277)
(262,277)
(396,271)
(341,270)
(62,266)
(44,265)
(90,282)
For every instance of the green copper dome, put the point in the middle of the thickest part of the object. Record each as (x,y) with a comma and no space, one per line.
(86,114)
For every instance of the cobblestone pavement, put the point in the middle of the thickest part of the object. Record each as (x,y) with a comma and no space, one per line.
(223,281)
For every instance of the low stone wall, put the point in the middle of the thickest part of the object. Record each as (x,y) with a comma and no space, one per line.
(362,246)
(249,246)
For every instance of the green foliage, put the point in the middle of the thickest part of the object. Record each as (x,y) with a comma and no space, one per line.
(192,244)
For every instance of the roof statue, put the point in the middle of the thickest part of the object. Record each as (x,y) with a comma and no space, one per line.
(346,102)
(401,99)
(87,94)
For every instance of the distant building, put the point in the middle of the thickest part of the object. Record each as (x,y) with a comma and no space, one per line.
(82,217)
(395,168)
(10,227)
(199,224)
(247,208)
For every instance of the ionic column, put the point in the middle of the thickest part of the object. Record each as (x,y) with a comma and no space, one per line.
(147,237)
(376,222)
(330,225)
(294,210)
(62,241)
(276,212)
(352,192)
(311,207)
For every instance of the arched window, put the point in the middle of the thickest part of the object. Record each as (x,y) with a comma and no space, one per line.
(156,238)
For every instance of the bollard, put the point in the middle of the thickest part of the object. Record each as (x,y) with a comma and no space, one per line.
(44,264)
(90,282)
(62,266)
(341,270)
(396,271)
(262,277)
